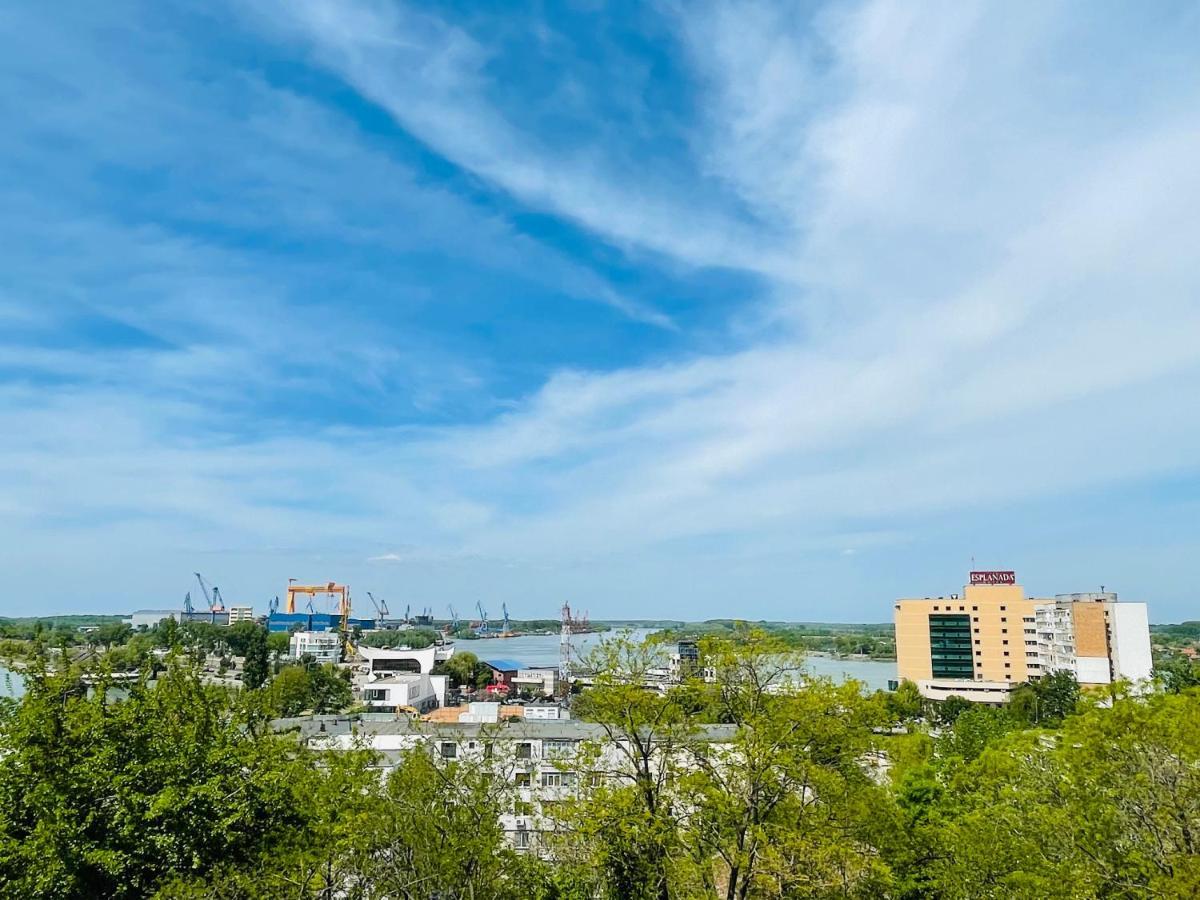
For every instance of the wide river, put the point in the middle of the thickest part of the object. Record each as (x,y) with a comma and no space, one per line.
(542,650)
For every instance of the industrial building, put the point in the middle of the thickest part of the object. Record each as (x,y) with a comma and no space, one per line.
(313,621)
(981,644)
(503,670)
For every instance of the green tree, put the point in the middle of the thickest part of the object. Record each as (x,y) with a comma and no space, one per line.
(291,691)
(1177,673)
(113,799)
(648,733)
(906,703)
(951,708)
(257,665)
(783,804)
(1109,810)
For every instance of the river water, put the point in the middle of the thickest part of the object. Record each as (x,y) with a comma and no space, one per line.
(542,650)
(11,684)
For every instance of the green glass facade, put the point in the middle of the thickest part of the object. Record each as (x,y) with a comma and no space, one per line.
(950,646)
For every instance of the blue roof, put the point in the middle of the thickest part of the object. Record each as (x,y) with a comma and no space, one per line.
(503,665)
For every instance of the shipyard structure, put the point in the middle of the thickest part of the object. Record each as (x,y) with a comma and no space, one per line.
(989,639)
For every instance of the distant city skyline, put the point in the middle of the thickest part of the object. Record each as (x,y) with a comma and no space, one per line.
(702,310)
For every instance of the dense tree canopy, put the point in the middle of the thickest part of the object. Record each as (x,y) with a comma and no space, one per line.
(172,787)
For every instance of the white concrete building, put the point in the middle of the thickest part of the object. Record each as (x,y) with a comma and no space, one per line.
(323,646)
(540,757)
(485,713)
(1110,643)
(540,680)
(241,614)
(546,712)
(387,693)
(383,661)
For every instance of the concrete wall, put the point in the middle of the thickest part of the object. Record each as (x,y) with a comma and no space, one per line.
(1130,628)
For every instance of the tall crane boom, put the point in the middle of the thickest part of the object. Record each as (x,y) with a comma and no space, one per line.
(381,610)
(504,608)
(483,619)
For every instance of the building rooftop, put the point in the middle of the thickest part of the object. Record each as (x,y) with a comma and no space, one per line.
(503,665)
(518,729)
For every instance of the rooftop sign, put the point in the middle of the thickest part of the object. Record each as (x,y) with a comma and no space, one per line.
(993,578)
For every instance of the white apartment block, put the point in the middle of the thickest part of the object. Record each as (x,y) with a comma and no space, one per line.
(538,756)
(323,646)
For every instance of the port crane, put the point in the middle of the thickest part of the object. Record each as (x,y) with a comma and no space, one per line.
(407,613)
(273,605)
(483,619)
(507,624)
(453,619)
(341,591)
(212,597)
(187,604)
(381,610)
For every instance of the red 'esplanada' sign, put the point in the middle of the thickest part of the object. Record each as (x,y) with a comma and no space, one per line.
(993,578)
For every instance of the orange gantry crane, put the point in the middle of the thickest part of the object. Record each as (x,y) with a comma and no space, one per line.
(341,591)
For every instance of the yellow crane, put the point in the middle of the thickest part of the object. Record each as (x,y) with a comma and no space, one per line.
(331,589)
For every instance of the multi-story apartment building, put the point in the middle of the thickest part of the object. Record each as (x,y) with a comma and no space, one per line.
(541,759)
(982,643)
(322,646)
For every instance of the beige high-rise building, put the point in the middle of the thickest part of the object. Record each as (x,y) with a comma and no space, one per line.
(983,642)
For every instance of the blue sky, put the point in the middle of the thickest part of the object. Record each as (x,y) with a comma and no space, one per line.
(667,309)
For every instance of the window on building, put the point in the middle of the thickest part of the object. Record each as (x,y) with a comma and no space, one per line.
(950,646)
(979,653)
(1004,631)
(552,779)
(525,751)
(1006,653)
(558,747)
(1008,665)
(977,641)
(1005,643)
(522,808)
(1003,608)
(521,838)
(975,609)
(523,779)
(449,750)
(1003,618)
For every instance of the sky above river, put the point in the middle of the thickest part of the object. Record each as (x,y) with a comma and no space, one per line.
(662,309)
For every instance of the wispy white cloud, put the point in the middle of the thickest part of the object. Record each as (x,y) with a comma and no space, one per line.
(429,75)
(973,310)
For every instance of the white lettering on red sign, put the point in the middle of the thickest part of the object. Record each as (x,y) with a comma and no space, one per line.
(993,578)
